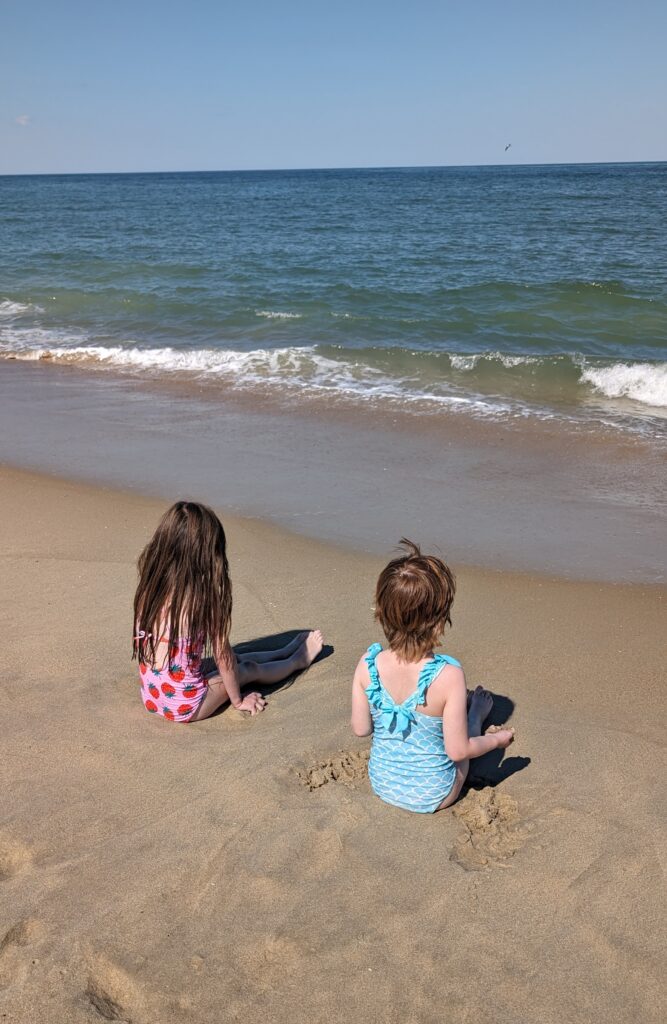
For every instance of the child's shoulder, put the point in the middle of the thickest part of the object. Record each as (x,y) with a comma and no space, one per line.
(370,653)
(447,662)
(449,672)
(362,667)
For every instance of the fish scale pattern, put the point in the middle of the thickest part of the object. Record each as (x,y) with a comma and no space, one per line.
(408,765)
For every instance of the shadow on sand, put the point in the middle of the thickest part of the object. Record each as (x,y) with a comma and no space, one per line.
(495,767)
(268,643)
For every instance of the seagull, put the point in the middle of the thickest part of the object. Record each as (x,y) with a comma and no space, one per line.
(508,146)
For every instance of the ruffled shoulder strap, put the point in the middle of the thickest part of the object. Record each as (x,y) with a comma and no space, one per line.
(396,718)
(429,672)
(374,691)
(372,653)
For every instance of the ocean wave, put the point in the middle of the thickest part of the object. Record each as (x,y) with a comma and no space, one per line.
(535,386)
(642,382)
(12,309)
(168,360)
(270,314)
(470,362)
(293,366)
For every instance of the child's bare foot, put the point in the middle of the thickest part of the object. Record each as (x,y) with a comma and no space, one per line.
(481,704)
(505,734)
(310,648)
(293,645)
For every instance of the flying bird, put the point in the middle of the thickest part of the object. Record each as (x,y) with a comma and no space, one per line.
(508,146)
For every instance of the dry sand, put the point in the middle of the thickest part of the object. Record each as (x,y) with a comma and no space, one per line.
(241,870)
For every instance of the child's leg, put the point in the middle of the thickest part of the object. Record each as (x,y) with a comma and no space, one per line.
(259,657)
(479,708)
(254,671)
(215,697)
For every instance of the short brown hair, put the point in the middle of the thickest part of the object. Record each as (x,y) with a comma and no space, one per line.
(413,601)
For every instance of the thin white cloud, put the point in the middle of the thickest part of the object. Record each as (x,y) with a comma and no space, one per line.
(23,120)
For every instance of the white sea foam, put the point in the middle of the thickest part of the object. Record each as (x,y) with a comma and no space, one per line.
(168,360)
(270,314)
(306,369)
(293,366)
(464,362)
(11,309)
(642,382)
(469,362)
(511,361)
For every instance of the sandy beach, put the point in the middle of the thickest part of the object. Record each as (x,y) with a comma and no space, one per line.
(346,275)
(241,869)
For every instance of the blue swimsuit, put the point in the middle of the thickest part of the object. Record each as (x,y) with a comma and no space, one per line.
(408,766)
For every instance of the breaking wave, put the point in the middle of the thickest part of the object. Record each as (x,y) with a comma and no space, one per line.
(641,382)
(14,309)
(489,384)
(270,314)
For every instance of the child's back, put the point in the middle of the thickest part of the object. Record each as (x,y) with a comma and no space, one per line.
(409,766)
(175,685)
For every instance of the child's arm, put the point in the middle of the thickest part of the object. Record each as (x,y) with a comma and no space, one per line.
(459,745)
(225,661)
(361,722)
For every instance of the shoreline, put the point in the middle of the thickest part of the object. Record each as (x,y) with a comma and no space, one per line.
(278,532)
(170,871)
(508,499)
(643,428)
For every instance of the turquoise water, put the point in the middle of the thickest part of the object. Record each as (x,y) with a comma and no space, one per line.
(496,292)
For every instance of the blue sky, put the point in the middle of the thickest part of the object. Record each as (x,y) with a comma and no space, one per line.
(148,85)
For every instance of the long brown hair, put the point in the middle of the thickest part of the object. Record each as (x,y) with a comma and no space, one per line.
(184,585)
(413,601)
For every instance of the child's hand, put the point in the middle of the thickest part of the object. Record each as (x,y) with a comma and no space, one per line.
(502,736)
(252,702)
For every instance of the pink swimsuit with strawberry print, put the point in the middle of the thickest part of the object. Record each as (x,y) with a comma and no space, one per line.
(176,690)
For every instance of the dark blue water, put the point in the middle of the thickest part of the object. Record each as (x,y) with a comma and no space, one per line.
(497,292)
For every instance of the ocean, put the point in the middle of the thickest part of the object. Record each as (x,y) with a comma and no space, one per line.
(497,293)
(472,357)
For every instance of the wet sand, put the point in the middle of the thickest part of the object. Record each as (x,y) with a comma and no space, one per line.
(528,498)
(241,869)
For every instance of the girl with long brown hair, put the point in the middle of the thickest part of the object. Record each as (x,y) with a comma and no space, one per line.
(183,606)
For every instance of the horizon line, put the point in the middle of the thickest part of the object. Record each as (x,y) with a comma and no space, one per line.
(368,167)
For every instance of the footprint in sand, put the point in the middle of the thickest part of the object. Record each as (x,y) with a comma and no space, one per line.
(12,960)
(113,994)
(14,856)
(491,830)
(347,766)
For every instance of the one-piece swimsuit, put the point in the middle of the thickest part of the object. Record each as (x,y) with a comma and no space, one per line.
(408,765)
(177,687)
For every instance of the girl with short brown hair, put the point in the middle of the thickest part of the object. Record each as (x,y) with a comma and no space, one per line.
(425,726)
